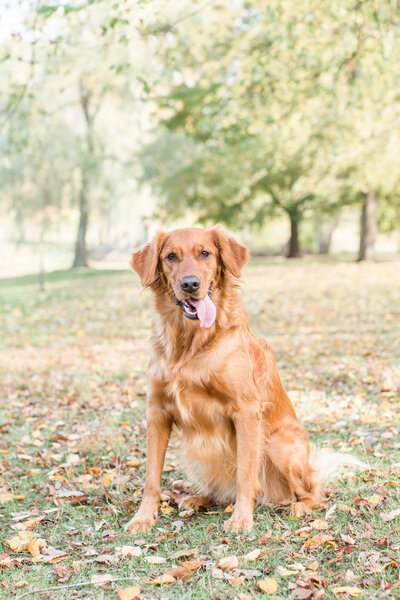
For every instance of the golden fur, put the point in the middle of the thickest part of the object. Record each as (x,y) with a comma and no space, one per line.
(219,386)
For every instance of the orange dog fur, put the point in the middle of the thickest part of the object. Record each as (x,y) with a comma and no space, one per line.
(219,386)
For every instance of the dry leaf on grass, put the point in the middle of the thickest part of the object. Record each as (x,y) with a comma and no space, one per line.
(241,596)
(101,579)
(7,497)
(229,508)
(26,540)
(348,589)
(166,509)
(236,581)
(184,553)
(228,563)
(123,551)
(156,560)
(348,539)
(129,593)
(374,500)
(180,573)
(253,555)
(283,572)
(192,565)
(319,524)
(386,517)
(319,540)
(268,586)
(164,579)
(7,561)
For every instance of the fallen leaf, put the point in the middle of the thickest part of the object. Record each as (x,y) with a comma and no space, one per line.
(303,593)
(129,593)
(184,553)
(268,586)
(192,565)
(156,560)
(217,573)
(228,563)
(348,539)
(166,509)
(319,540)
(386,517)
(123,551)
(253,555)
(26,540)
(180,573)
(7,497)
(265,539)
(241,596)
(348,589)
(107,480)
(20,583)
(236,581)
(374,500)
(164,579)
(229,508)
(34,547)
(7,561)
(283,572)
(101,579)
(319,524)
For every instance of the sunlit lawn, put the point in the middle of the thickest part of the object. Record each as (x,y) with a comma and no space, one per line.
(72,446)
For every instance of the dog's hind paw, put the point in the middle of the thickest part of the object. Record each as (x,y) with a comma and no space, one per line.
(190,504)
(299,509)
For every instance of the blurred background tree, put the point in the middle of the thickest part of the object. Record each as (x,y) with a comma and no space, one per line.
(120,117)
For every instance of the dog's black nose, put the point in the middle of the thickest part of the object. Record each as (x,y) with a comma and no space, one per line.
(190,284)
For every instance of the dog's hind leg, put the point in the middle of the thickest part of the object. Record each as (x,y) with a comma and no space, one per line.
(289,451)
(194,503)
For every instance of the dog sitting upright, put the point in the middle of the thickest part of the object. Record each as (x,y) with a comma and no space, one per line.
(212,378)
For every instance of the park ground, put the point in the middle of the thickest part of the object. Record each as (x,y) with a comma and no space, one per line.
(72,442)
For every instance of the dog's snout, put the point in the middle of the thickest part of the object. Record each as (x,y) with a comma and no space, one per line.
(190,284)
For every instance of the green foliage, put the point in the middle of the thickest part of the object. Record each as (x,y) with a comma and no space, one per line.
(280,101)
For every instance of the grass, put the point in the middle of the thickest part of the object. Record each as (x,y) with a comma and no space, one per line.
(72,408)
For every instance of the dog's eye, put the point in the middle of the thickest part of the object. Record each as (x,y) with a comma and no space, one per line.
(172,257)
(205,253)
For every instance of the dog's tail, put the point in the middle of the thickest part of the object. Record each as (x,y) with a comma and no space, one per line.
(328,465)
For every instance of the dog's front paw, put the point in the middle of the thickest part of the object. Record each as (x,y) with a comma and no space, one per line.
(239,523)
(140,524)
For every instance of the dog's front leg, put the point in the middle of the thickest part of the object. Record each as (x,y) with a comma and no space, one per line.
(248,431)
(159,427)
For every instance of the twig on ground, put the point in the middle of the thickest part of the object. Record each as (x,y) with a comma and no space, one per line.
(70,585)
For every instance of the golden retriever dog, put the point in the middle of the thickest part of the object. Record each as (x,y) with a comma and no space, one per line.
(212,378)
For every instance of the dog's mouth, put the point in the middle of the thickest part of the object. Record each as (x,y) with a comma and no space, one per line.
(194,309)
(188,309)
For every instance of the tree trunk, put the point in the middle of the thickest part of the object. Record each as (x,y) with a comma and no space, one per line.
(80,259)
(325,235)
(294,244)
(85,94)
(368,227)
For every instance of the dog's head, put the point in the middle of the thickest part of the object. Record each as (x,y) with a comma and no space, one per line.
(190,262)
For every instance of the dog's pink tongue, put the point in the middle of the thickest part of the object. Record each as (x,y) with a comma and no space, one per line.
(206,311)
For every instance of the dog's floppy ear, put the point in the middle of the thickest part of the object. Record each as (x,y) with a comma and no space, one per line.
(145,260)
(233,255)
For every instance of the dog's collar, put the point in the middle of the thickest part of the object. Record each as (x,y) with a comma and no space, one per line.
(180,302)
